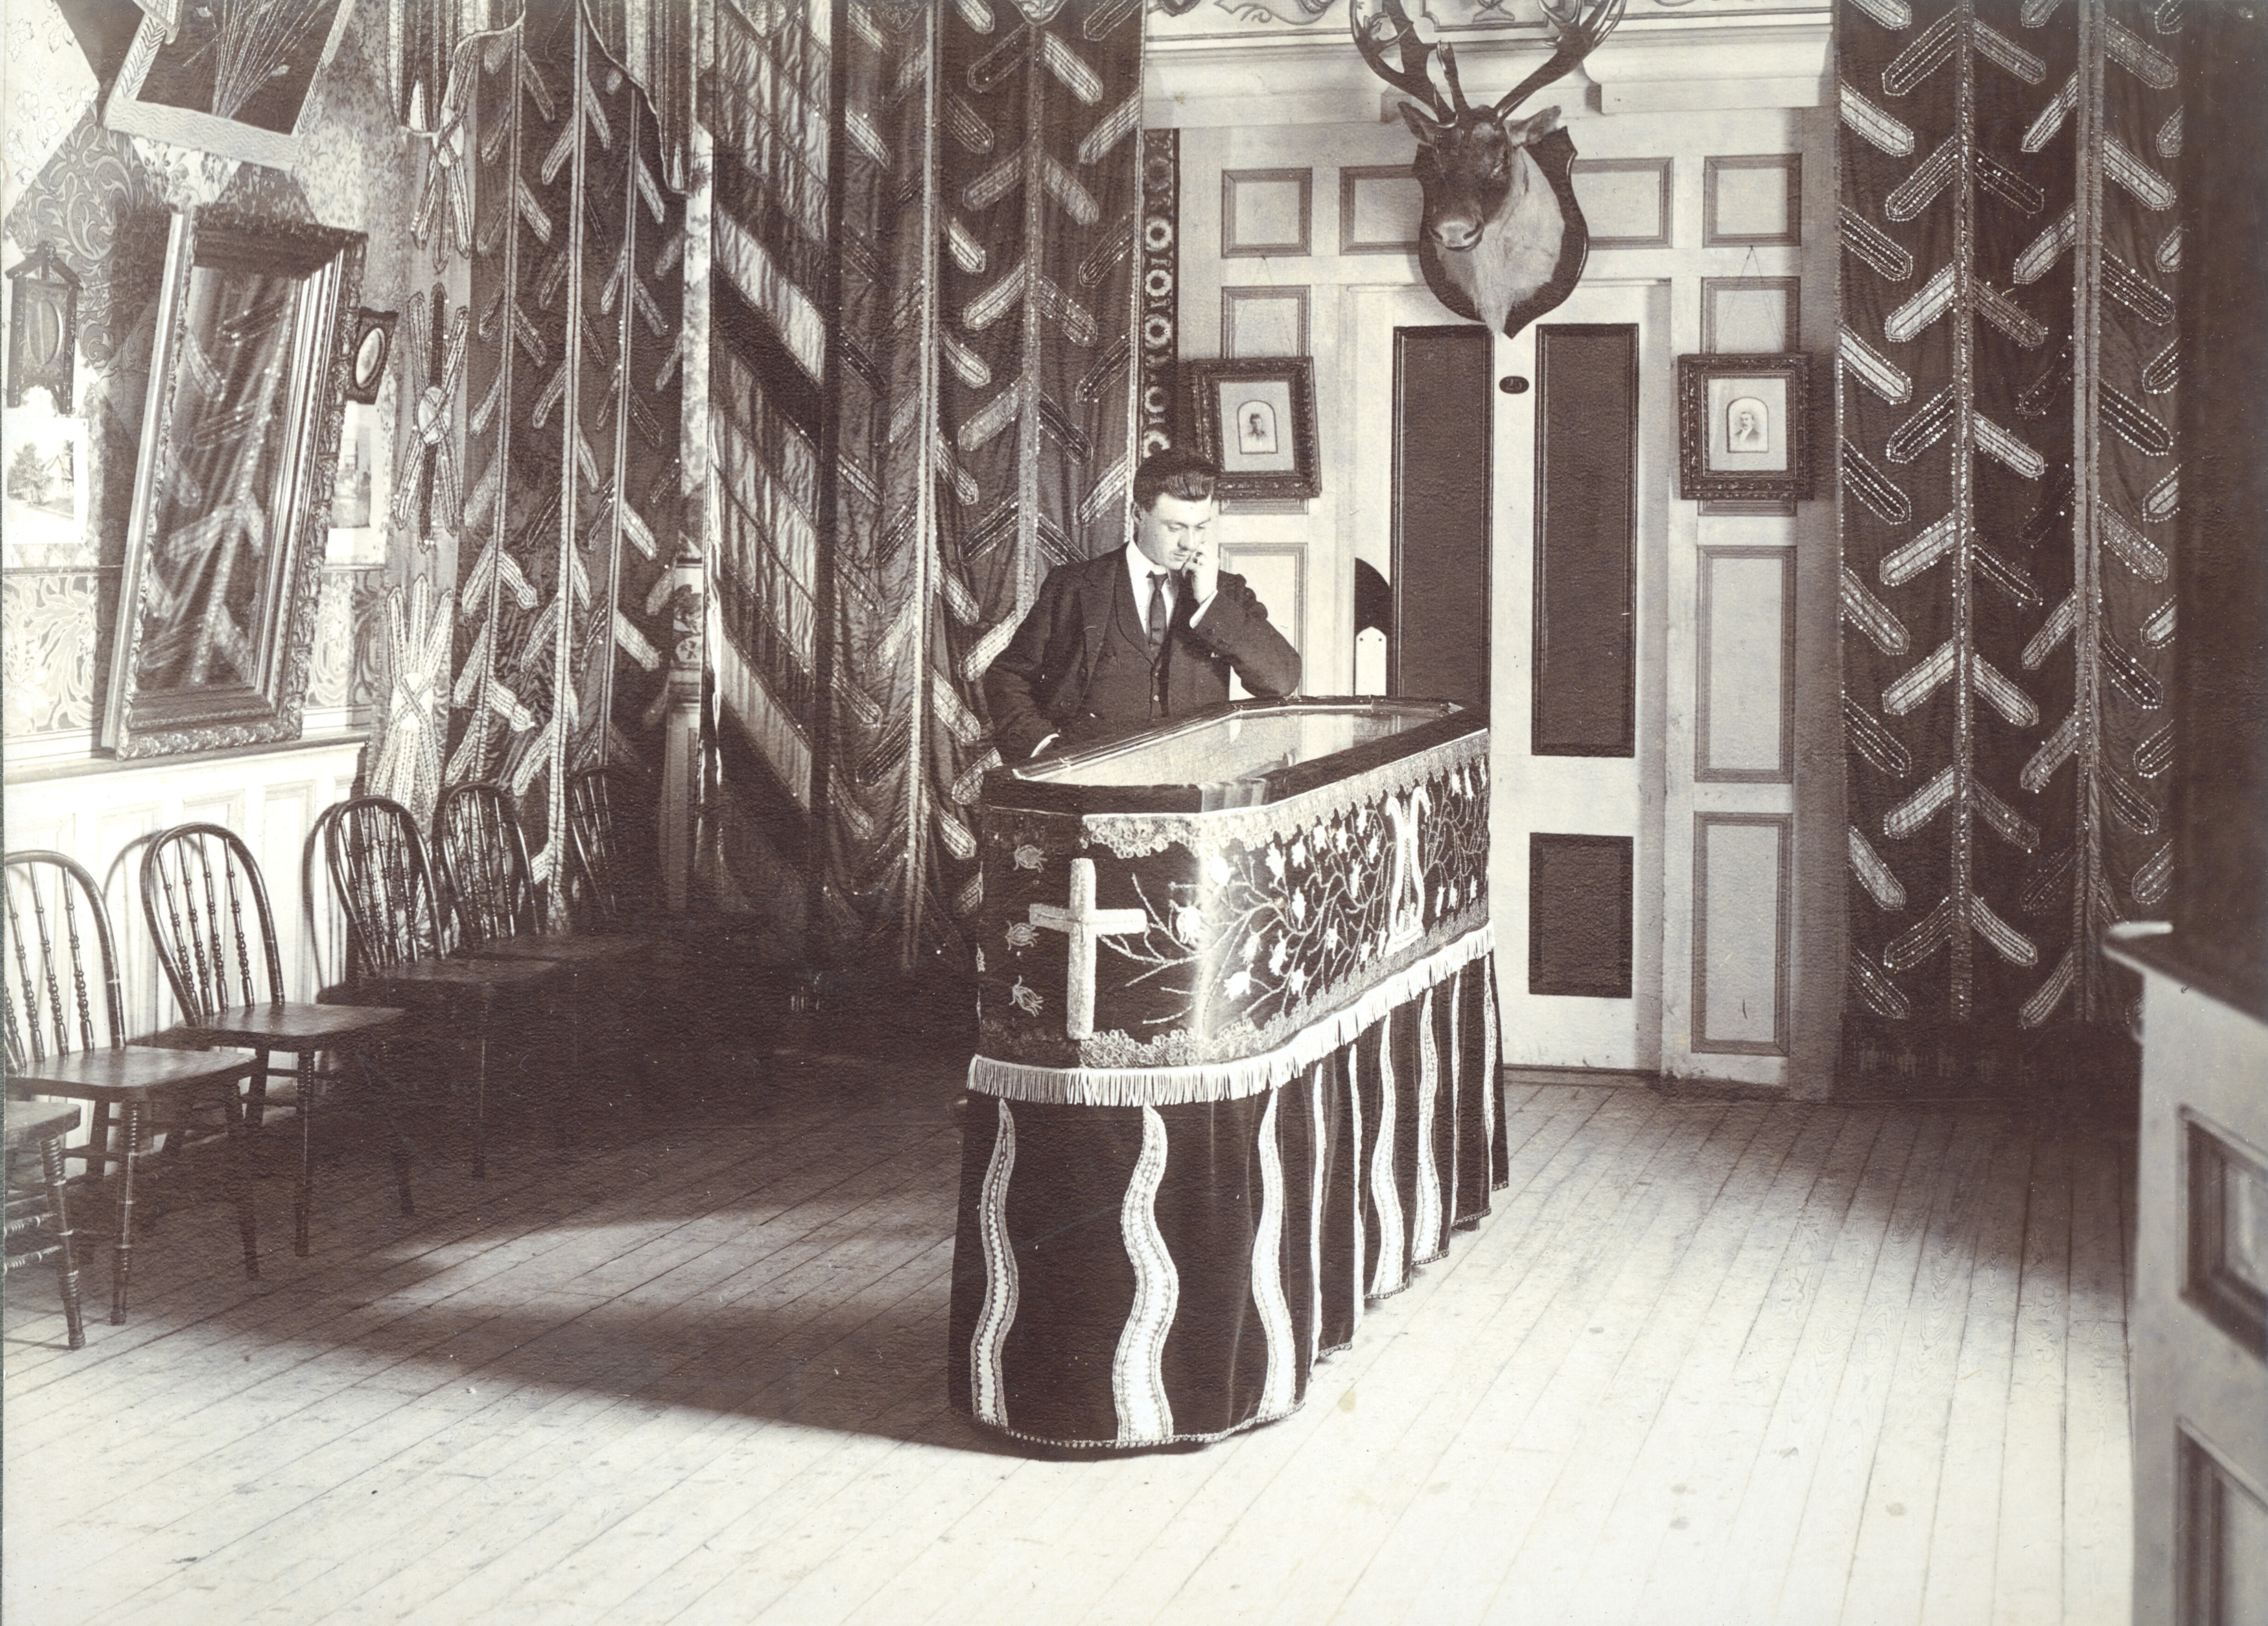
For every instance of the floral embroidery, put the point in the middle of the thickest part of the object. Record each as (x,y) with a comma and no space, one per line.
(1260,920)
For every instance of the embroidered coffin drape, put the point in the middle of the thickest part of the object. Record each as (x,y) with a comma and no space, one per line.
(2011,240)
(923,395)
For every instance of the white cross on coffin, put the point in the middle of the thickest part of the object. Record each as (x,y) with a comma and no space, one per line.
(1085,926)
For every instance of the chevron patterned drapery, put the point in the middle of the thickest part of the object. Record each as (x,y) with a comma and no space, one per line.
(923,398)
(2011,238)
(569,353)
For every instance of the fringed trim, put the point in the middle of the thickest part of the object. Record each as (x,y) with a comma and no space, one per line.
(1226,1081)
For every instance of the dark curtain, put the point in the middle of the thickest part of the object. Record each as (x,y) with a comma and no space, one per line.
(924,389)
(2011,241)
(571,386)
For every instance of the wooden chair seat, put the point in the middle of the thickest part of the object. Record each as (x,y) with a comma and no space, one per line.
(560,948)
(288,1026)
(29,1121)
(130,1074)
(424,983)
(39,1217)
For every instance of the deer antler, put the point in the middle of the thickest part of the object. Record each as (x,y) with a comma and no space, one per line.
(1410,78)
(1579,32)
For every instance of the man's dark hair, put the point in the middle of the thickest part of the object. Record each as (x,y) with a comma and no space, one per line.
(1177,470)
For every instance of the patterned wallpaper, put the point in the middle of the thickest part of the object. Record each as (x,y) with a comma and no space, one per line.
(102,198)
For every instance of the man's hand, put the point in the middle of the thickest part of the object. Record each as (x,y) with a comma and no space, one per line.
(1202,577)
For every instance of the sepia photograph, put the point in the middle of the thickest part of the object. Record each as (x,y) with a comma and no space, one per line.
(1255,415)
(1167,811)
(45,463)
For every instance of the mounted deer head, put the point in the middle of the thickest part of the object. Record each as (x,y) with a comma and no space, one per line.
(1503,241)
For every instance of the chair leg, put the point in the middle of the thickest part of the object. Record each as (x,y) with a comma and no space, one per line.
(96,1153)
(121,1258)
(303,1199)
(240,1180)
(568,1095)
(400,1142)
(51,1166)
(481,1094)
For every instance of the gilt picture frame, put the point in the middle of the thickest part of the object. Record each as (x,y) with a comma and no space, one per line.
(1255,415)
(233,486)
(1744,428)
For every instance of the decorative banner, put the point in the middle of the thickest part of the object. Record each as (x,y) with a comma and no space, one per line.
(892,489)
(572,388)
(2009,480)
(1162,296)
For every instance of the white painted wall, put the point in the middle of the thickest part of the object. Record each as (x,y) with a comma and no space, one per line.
(1284,98)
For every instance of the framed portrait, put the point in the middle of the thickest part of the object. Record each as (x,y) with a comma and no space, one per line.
(1256,417)
(1744,427)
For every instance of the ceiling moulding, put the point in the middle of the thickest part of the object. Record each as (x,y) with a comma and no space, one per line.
(1731,55)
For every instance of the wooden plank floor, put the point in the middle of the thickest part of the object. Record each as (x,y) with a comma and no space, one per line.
(1708,1361)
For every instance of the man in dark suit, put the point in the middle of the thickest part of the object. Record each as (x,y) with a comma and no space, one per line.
(1141,634)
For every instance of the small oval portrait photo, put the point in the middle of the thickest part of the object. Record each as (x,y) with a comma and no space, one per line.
(1747,425)
(1256,429)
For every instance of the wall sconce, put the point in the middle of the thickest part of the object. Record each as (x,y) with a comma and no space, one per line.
(42,328)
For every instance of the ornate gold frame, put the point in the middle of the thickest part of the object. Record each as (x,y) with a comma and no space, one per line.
(140,719)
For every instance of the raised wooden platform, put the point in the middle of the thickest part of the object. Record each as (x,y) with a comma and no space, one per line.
(1710,1361)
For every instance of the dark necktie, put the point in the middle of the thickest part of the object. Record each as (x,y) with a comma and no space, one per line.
(1160,612)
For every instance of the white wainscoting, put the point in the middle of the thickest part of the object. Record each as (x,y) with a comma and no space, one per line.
(103,815)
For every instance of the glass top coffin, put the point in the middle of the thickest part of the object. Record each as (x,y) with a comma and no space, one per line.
(1240,756)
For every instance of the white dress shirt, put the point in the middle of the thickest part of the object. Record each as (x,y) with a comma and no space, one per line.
(1139,570)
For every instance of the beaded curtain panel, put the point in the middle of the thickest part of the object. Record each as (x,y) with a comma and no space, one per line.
(571,356)
(2007,395)
(893,487)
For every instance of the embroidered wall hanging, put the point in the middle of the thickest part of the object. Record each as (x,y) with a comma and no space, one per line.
(2009,476)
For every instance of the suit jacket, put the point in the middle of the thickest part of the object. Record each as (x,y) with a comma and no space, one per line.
(1065,672)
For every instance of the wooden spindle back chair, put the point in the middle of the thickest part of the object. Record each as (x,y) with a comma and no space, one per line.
(66,1037)
(609,825)
(702,970)
(400,937)
(207,908)
(484,865)
(485,872)
(385,886)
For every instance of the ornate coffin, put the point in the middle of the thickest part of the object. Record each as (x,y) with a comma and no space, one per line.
(1164,915)
(1236,1070)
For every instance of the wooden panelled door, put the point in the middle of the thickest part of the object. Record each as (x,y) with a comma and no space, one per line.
(1525,490)
(1580,514)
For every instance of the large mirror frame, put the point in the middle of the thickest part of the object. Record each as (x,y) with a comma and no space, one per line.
(248,370)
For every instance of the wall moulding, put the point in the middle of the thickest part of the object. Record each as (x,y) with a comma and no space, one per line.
(1205,70)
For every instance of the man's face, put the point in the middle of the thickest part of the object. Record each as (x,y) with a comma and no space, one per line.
(1177,534)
